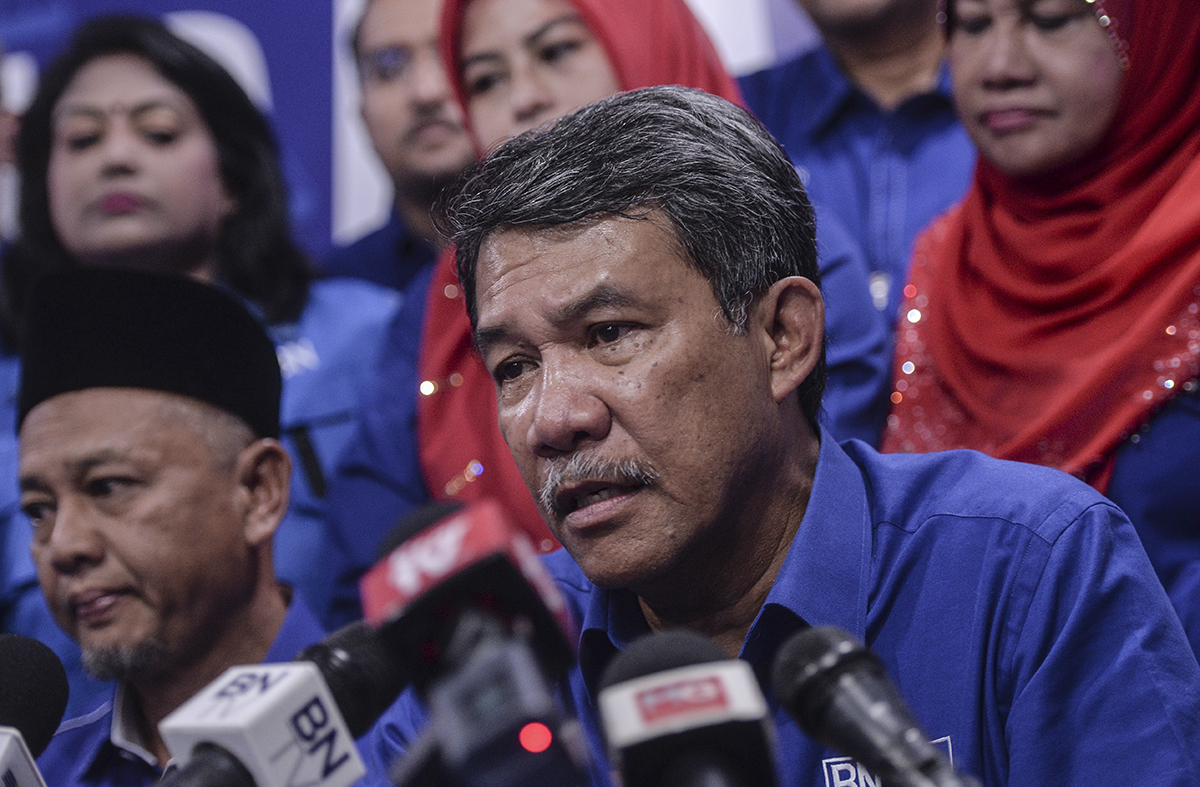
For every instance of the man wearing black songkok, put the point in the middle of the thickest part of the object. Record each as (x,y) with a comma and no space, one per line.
(150,470)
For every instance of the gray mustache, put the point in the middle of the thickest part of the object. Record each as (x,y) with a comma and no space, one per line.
(583,467)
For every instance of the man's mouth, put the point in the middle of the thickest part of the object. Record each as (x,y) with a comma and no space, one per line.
(571,500)
(585,480)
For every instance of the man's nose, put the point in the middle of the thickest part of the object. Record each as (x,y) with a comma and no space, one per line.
(566,411)
(73,542)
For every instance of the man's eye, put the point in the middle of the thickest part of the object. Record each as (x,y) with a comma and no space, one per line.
(972,25)
(510,370)
(38,513)
(608,333)
(386,64)
(104,487)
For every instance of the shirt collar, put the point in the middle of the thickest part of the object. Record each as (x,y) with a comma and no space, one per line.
(823,581)
(124,732)
(826,91)
(299,630)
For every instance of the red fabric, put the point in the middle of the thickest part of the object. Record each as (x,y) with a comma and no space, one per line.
(1054,316)
(649,42)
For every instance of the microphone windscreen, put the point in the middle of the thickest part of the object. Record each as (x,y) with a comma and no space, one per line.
(415,522)
(360,671)
(666,650)
(807,666)
(33,690)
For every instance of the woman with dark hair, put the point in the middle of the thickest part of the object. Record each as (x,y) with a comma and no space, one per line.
(1053,316)
(140,151)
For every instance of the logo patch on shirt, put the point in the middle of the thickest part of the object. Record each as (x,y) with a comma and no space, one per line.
(846,772)
(296,356)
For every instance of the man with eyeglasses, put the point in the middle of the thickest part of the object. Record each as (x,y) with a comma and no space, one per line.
(416,129)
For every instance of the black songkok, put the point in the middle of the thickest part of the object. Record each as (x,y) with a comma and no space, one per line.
(105,328)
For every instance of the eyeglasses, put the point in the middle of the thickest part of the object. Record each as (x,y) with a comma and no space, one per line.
(386,64)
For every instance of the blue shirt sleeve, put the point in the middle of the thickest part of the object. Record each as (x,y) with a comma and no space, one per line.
(1102,689)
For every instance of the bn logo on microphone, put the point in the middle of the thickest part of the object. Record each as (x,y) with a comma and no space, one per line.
(681,698)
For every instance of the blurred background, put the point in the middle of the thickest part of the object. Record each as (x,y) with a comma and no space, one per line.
(293,60)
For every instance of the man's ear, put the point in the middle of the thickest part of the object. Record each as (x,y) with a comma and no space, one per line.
(793,315)
(263,472)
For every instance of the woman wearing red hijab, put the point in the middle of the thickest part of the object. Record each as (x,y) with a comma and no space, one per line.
(1052,317)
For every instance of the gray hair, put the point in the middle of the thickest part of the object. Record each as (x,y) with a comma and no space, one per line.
(736,205)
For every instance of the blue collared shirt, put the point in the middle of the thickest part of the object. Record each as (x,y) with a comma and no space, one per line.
(1011,604)
(99,749)
(379,479)
(885,174)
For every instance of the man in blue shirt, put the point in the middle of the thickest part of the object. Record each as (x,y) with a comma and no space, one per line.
(416,130)
(151,471)
(869,119)
(654,327)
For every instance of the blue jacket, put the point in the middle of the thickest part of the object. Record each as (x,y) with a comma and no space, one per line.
(885,174)
(1012,605)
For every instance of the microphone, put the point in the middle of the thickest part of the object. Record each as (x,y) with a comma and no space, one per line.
(473,559)
(678,712)
(839,693)
(285,725)
(33,697)
(466,605)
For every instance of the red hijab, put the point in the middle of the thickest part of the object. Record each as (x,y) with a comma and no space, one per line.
(462,455)
(1047,320)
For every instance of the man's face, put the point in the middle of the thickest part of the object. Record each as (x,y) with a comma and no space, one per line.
(407,104)
(636,415)
(138,528)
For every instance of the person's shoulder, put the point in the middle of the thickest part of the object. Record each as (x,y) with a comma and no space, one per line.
(786,75)
(76,738)
(908,489)
(342,309)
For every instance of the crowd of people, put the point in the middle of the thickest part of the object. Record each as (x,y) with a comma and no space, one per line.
(712,344)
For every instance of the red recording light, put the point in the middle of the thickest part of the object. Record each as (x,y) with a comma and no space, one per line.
(535,737)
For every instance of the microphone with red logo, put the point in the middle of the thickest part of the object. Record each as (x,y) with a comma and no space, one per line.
(480,627)
(677,712)
(840,694)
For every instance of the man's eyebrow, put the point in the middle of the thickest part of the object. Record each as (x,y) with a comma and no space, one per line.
(78,468)
(599,297)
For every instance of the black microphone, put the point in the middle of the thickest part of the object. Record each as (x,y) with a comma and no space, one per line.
(840,694)
(33,690)
(274,725)
(477,621)
(33,696)
(678,712)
